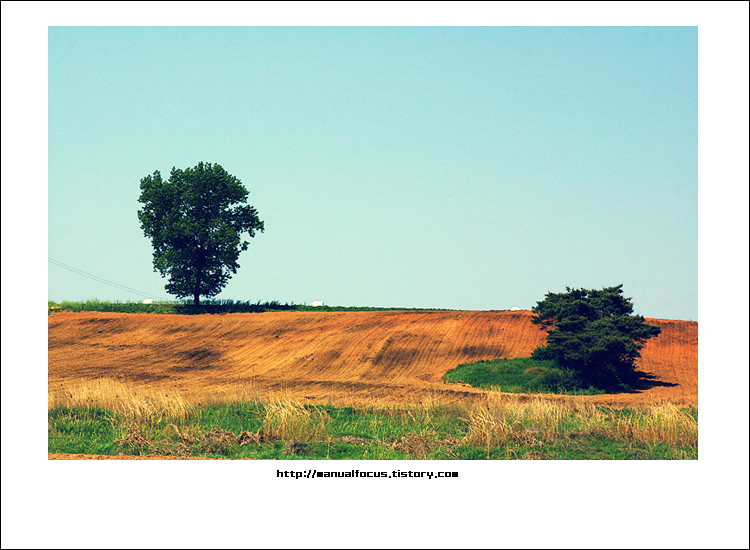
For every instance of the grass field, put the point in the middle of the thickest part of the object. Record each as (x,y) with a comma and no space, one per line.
(109,418)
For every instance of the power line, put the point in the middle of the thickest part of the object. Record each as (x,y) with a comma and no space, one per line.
(103,281)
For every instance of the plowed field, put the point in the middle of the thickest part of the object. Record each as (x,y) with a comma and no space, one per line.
(386,357)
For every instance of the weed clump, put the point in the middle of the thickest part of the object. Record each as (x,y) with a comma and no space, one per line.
(134,438)
(415,445)
(295,447)
(218,441)
(247,438)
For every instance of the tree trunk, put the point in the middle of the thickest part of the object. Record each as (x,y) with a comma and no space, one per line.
(199,273)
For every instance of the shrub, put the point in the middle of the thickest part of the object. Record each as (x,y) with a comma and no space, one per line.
(593,333)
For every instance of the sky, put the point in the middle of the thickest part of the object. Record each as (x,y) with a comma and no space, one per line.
(472,168)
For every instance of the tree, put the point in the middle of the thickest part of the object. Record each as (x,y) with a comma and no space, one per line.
(195,221)
(593,333)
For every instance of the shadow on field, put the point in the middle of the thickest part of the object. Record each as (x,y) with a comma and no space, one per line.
(646,381)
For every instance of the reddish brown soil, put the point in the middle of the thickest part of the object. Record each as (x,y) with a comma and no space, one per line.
(330,357)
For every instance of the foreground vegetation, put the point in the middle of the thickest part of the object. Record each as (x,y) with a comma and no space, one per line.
(110,418)
(186,307)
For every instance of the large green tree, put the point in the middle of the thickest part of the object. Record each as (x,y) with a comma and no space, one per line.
(195,221)
(593,333)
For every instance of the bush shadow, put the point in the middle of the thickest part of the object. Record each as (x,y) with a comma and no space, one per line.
(645,381)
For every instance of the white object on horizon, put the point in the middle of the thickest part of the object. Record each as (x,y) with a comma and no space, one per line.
(515,308)
(317,303)
(148,301)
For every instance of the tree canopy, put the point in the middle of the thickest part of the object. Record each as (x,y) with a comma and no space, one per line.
(195,221)
(593,333)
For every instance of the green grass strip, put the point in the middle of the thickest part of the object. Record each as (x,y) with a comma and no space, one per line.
(519,375)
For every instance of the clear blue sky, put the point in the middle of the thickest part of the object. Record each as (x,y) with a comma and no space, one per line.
(446,167)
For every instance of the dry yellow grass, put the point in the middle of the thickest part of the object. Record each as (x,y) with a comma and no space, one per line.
(287,419)
(506,416)
(662,423)
(140,404)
